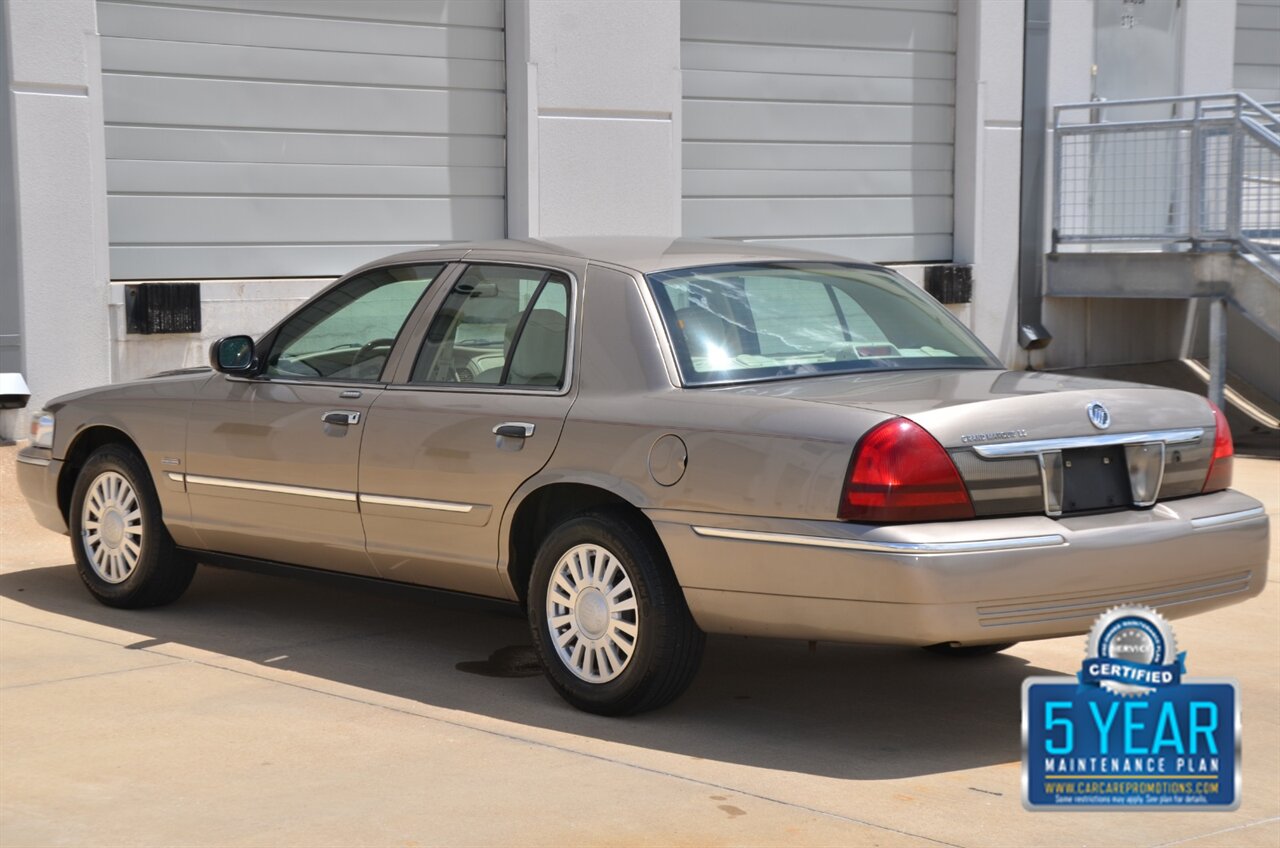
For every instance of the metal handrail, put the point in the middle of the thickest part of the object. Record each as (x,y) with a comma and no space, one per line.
(1206,177)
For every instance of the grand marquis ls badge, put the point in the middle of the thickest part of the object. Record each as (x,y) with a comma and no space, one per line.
(1099,415)
(1129,731)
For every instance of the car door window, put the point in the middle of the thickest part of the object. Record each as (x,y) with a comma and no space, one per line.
(348,332)
(500,325)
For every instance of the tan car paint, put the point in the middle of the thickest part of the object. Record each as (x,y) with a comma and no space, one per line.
(270,431)
(764,457)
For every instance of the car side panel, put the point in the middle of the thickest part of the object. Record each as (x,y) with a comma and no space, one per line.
(750,455)
(153,415)
(268,478)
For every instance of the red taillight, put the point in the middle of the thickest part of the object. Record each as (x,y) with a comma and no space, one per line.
(1219,476)
(900,473)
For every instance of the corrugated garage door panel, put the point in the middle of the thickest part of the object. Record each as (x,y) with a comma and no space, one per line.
(827,125)
(299,137)
(1257,59)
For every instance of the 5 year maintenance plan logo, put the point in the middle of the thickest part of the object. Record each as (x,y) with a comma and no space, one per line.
(1129,731)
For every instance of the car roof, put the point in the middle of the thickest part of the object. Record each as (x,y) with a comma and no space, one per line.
(640,253)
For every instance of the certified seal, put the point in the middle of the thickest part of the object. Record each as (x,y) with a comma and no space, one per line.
(1131,650)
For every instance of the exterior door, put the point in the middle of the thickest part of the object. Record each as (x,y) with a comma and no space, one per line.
(825,126)
(1134,180)
(272,461)
(473,415)
(288,138)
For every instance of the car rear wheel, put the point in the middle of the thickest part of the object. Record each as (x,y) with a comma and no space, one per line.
(609,622)
(123,552)
(946,649)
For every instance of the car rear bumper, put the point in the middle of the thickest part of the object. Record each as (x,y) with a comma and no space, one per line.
(38,473)
(970,582)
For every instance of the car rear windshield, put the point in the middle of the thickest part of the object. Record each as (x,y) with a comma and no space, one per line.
(759,321)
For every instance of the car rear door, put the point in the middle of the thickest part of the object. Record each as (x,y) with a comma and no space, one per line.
(475,409)
(272,461)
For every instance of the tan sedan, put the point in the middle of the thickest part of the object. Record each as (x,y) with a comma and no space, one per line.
(642,441)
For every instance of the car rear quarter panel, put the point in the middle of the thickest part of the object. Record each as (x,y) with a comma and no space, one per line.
(750,455)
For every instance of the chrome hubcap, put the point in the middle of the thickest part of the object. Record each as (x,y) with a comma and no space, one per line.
(111,527)
(592,613)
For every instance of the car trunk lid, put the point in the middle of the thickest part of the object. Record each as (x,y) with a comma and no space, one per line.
(1026,442)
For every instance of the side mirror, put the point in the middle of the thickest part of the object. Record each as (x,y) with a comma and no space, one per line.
(233,355)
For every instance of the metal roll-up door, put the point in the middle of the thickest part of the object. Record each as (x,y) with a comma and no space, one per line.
(825,124)
(270,138)
(1257,57)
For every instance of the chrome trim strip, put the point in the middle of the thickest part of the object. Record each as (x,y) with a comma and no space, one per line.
(1030,448)
(416,503)
(34,460)
(274,488)
(176,476)
(1018,542)
(1228,517)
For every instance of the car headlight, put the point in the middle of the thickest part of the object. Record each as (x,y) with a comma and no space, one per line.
(42,429)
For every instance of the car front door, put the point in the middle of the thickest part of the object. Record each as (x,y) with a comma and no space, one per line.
(475,411)
(272,460)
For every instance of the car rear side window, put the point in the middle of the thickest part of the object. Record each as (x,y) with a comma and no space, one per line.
(347,332)
(753,321)
(501,325)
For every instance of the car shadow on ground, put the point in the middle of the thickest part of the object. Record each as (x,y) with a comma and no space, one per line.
(850,712)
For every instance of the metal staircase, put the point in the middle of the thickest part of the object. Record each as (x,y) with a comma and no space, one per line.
(1173,197)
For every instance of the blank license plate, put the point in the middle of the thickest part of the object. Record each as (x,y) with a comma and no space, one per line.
(1095,478)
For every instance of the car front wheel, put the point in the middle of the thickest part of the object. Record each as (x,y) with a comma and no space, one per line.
(123,552)
(609,622)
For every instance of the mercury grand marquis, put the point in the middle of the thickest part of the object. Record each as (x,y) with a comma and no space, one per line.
(643,441)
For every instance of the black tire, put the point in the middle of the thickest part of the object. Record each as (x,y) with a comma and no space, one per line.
(946,649)
(161,572)
(667,646)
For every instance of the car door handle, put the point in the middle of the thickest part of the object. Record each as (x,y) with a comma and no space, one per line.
(514,429)
(343,417)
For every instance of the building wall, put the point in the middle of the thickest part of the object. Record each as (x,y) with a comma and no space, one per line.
(593,106)
(988,149)
(594,145)
(55,98)
(10,290)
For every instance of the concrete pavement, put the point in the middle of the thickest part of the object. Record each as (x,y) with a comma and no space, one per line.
(264,711)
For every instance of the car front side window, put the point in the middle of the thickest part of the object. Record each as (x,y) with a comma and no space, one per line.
(499,326)
(347,333)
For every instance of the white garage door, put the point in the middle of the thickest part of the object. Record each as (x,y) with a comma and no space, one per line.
(825,124)
(265,138)
(1258,49)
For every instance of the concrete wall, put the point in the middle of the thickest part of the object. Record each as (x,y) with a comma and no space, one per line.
(10,290)
(988,149)
(60,194)
(593,117)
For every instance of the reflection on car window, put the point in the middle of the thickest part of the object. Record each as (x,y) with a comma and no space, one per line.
(347,333)
(768,320)
(500,325)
